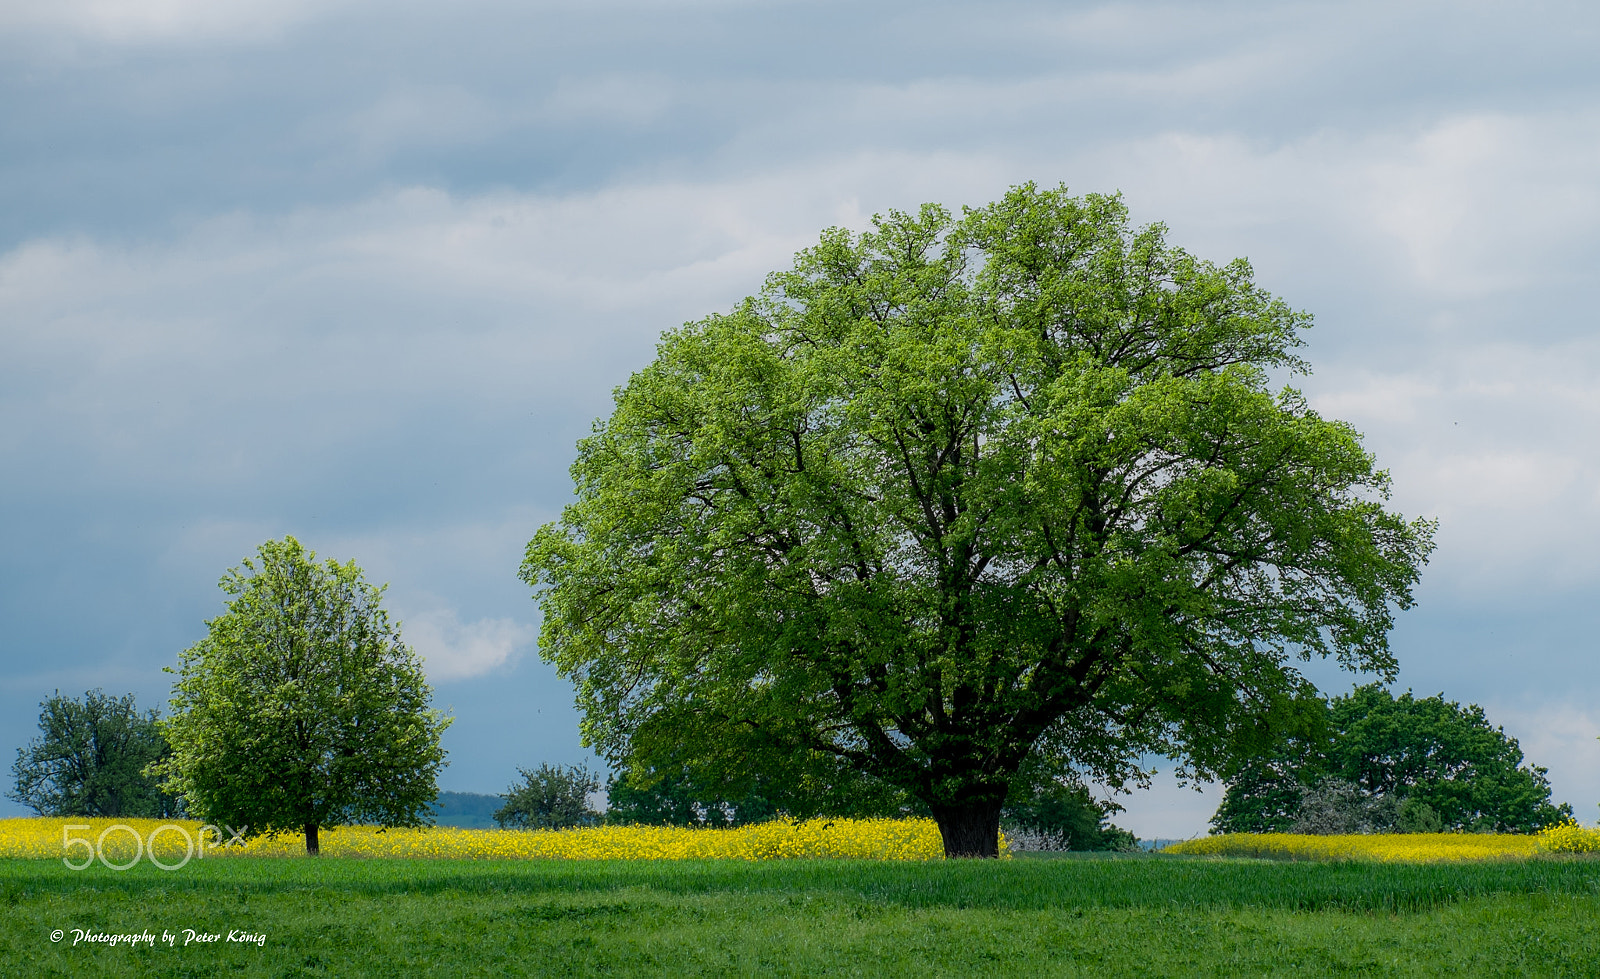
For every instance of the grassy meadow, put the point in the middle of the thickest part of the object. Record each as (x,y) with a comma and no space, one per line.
(1066,916)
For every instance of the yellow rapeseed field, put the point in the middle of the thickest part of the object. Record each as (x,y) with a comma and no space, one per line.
(1570,838)
(77,838)
(1403,847)
(121,841)
(871,839)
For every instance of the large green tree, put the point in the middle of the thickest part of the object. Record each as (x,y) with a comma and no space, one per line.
(1422,750)
(952,493)
(302,707)
(90,759)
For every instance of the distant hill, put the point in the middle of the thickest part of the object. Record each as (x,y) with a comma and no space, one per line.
(468,810)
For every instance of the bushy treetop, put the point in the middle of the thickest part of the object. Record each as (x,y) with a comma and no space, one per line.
(957,491)
(1424,750)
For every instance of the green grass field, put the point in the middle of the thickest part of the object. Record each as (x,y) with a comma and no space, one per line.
(1149,915)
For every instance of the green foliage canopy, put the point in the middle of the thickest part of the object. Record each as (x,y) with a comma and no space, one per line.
(90,759)
(1443,760)
(954,492)
(550,797)
(302,707)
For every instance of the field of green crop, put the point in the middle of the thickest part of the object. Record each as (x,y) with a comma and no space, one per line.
(1150,915)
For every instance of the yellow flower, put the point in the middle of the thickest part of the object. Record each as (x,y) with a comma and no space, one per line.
(1403,847)
(1569,838)
(120,840)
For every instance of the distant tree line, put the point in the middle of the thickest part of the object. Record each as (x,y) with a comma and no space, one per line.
(1043,813)
(92,758)
(1371,762)
(1364,762)
(466,810)
(1374,762)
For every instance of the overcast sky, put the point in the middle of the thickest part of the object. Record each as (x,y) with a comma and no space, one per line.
(363,273)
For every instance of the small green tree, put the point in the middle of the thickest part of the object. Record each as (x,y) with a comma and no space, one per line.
(550,797)
(302,707)
(1389,763)
(90,759)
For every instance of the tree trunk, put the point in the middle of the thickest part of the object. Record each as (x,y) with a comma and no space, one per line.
(970,831)
(311,840)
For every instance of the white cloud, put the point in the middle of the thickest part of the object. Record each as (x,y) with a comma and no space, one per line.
(1484,203)
(255,21)
(1448,210)
(127,21)
(352,313)
(615,98)
(1496,441)
(455,650)
(355,314)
